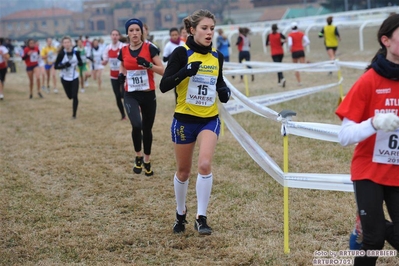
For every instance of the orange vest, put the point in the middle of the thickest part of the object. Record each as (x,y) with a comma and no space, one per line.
(275,43)
(296,41)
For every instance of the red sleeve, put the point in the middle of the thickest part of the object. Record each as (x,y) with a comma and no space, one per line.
(356,103)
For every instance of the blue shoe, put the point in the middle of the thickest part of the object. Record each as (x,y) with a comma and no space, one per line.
(355,240)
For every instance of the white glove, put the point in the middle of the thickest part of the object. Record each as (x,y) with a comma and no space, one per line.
(386,122)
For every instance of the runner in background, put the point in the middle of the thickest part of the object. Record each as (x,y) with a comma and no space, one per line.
(4,57)
(49,54)
(331,38)
(276,40)
(67,61)
(297,40)
(110,54)
(97,68)
(42,71)
(139,62)
(174,42)
(84,72)
(183,34)
(31,55)
(11,51)
(244,45)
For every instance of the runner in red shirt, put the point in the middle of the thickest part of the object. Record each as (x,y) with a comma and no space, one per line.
(110,54)
(297,40)
(276,41)
(139,62)
(370,118)
(31,57)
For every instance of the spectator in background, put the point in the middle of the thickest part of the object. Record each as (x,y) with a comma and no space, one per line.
(174,42)
(276,40)
(223,45)
(297,40)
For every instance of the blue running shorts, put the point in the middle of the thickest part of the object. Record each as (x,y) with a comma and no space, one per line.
(184,133)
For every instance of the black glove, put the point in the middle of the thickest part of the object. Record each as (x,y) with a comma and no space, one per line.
(121,78)
(191,69)
(142,62)
(67,64)
(224,94)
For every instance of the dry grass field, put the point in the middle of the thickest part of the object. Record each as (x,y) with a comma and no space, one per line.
(68,195)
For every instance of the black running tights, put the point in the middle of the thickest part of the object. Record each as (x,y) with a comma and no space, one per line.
(141,108)
(118,91)
(71,89)
(370,197)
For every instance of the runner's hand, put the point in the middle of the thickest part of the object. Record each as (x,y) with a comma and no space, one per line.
(143,62)
(121,78)
(386,122)
(224,94)
(191,69)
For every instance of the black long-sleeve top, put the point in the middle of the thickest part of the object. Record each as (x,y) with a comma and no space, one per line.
(174,72)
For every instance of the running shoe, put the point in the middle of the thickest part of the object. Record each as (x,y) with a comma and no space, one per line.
(356,237)
(201,226)
(30,96)
(283,82)
(1,96)
(180,223)
(148,171)
(55,91)
(40,94)
(138,165)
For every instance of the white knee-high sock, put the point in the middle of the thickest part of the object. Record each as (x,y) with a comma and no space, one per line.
(204,188)
(180,193)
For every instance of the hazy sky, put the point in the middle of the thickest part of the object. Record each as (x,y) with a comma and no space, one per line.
(11,6)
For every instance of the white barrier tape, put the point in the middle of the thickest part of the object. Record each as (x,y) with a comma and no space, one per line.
(356,65)
(252,148)
(16,59)
(339,182)
(279,67)
(253,106)
(234,107)
(320,131)
(271,67)
(336,182)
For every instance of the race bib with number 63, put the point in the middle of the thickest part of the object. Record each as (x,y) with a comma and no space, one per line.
(386,147)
